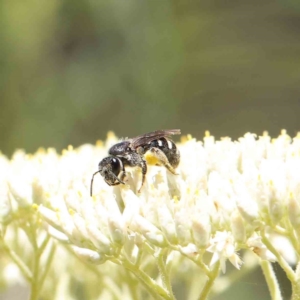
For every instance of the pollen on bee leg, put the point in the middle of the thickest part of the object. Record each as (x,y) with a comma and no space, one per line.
(151,159)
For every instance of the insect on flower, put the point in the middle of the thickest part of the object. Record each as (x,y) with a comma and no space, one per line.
(131,153)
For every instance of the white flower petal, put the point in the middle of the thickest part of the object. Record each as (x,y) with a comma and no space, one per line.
(88,255)
(149,231)
(190,250)
(167,224)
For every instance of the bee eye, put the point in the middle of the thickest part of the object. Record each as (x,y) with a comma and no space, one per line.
(116,165)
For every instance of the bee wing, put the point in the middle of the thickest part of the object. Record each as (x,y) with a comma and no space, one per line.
(149,137)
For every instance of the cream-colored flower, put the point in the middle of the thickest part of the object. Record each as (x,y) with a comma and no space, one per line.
(223,248)
(256,245)
(227,194)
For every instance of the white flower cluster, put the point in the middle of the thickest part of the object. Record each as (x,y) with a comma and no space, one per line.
(229,197)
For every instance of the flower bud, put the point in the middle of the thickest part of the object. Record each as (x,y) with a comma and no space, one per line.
(116,229)
(167,224)
(237,227)
(5,206)
(276,210)
(183,226)
(294,211)
(88,255)
(201,229)
(248,209)
(101,241)
(150,232)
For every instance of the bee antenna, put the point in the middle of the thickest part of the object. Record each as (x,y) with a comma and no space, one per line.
(91,187)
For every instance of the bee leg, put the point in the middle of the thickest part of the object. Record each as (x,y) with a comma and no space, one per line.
(117,180)
(140,151)
(116,183)
(143,165)
(121,179)
(123,175)
(163,159)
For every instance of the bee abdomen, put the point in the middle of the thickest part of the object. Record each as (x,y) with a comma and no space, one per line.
(169,148)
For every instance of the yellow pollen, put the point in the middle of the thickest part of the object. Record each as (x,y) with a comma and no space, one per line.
(216,204)
(175,198)
(183,139)
(283,132)
(265,133)
(189,137)
(41,150)
(151,159)
(71,212)
(35,206)
(70,148)
(207,133)
(51,150)
(99,143)
(111,135)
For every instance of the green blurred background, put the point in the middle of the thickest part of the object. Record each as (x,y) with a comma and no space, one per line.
(72,70)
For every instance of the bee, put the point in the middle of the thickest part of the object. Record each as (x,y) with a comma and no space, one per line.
(131,152)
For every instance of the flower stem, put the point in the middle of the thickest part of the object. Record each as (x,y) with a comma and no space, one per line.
(271,280)
(198,260)
(156,291)
(291,275)
(296,284)
(17,260)
(225,282)
(35,286)
(165,276)
(284,265)
(48,264)
(209,283)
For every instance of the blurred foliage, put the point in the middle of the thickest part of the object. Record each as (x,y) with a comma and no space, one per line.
(72,70)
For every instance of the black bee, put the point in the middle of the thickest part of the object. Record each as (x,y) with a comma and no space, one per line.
(131,152)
